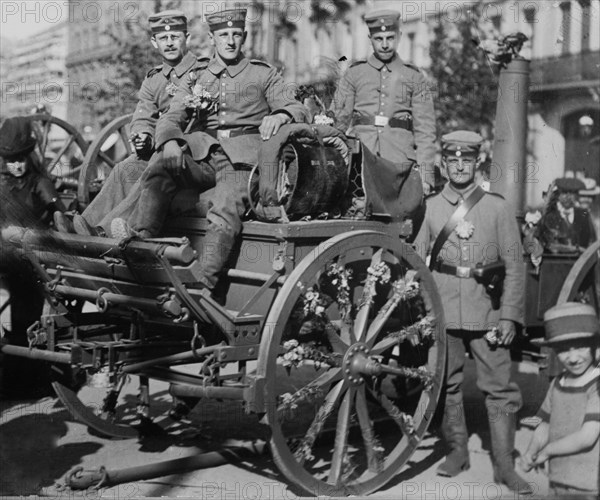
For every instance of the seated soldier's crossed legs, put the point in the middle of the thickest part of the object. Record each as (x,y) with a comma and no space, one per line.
(159,186)
(115,189)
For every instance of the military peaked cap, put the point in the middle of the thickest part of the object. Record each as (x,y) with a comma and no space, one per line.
(16,138)
(383,20)
(168,20)
(461,141)
(569,321)
(232,18)
(570,184)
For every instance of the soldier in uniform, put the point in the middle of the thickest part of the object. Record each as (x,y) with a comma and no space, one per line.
(480,314)
(170,38)
(389,102)
(245,101)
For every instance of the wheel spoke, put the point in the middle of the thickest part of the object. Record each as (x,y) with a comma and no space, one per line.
(383,345)
(335,339)
(58,156)
(366,301)
(341,439)
(382,317)
(372,446)
(106,159)
(401,419)
(331,401)
(125,139)
(44,142)
(323,380)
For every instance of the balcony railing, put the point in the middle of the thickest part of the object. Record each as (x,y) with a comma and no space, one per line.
(574,68)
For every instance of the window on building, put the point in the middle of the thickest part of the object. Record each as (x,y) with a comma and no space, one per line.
(565,26)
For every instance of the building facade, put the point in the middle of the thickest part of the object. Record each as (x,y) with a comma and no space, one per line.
(34,73)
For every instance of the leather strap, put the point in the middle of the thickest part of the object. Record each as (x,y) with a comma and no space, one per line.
(405,122)
(453,221)
(229,133)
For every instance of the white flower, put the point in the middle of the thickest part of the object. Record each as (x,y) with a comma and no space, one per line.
(464,229)
(323,119)
(532,218)
(493,337)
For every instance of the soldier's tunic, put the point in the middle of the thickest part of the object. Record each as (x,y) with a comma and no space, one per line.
(394,90)
(468,309)
(246,92)
(154,98)
(222,145)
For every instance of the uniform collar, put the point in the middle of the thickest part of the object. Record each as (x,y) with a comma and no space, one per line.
(378,63)
(454,197)
(184,65)
(217,65)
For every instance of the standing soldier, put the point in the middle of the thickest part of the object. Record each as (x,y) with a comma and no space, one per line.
(389,102)
(472,242)
(170,38)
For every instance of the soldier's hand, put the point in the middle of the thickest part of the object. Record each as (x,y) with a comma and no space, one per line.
(271,124)
(426,188)
(173,157)
(507,331)
(141,141)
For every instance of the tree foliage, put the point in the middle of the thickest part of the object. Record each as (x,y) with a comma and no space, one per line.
(466,81)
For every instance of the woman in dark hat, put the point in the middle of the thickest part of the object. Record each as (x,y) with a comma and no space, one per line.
(28,195)
(27,198)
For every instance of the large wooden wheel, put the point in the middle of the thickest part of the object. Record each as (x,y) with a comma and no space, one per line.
(98,163)
(583,281)
(352,356)
(60,147)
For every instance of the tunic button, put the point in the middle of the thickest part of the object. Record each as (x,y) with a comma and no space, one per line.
(223,94)
(222,122)
(222,112)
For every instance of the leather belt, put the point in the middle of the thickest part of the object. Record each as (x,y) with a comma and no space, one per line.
(458,271)
(229,133)
(382,121)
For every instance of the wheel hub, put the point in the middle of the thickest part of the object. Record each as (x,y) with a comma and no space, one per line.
(358,363)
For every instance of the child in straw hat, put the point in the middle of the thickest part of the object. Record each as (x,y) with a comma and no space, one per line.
(568,435)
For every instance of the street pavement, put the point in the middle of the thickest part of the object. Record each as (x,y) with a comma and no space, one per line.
(40,442)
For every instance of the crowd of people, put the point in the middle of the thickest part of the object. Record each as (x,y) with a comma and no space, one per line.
(191,129)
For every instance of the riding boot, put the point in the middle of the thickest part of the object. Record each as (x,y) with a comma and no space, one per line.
(454,430)
(217,246)
(502,431)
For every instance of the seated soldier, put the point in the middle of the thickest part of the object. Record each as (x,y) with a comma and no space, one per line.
(170,38)
(234,102)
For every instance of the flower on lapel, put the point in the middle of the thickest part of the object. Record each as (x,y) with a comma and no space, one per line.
(464,229)
(171,88)
(200,99)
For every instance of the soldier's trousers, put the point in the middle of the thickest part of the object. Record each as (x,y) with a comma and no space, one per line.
(492,366)
(120,182)
(226,207)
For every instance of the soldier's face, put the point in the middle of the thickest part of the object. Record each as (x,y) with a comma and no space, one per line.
(460,169)
(228,42)
(172,45)
(385,44)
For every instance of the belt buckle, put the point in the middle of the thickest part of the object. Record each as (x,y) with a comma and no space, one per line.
(463,272)
(381,121)
(223,134)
